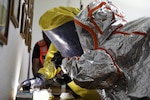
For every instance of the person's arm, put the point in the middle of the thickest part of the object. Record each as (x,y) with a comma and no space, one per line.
(35,59)
(49,70)
(35,66)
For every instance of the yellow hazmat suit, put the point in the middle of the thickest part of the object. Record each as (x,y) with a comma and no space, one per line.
(52,19)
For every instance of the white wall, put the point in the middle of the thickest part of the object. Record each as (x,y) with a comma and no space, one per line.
(10,63)
(14,57)
(11,59)
(134,8)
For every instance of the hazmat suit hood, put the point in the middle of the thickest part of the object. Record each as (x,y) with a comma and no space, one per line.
(99,19)
(58,25)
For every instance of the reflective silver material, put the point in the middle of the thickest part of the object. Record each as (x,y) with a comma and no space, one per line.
(106,17)
(120,66)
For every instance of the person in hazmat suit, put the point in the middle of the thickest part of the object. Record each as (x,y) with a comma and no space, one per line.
(58,24)
(116,58)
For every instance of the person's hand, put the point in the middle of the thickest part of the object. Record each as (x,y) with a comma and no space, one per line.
(25,85)
(36,82)
(33,82)
(57,59)
(67,78)
(64,79)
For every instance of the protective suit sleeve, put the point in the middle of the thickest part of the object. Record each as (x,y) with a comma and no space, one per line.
(87,94)
(49,70)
